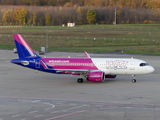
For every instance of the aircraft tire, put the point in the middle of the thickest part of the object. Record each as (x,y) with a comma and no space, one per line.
(80,80)
(134,81)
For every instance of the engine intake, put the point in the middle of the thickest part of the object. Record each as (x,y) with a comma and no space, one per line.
(96,76)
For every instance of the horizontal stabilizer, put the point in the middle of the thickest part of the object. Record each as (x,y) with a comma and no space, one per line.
(19,61)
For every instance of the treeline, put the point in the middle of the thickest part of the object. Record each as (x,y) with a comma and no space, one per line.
(35,15)
(154,4)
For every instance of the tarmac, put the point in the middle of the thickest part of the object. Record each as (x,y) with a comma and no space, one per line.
(26,94)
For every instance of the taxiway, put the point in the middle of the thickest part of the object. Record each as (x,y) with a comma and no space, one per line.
(27,94)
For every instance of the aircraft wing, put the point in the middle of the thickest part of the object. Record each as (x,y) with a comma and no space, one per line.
(86,54)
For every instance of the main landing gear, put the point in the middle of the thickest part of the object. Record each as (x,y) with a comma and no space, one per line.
(80,80)
(133,79)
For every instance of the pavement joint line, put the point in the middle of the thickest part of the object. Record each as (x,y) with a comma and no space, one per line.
(73,108)
(78,100)
(39,115)
(33,112)
(16,115)
(54,112)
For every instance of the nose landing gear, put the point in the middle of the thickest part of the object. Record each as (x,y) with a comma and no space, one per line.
(133,79)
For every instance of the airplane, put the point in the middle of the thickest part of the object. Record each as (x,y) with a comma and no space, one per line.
(93,69)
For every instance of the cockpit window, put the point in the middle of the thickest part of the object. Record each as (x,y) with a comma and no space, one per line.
(144,64)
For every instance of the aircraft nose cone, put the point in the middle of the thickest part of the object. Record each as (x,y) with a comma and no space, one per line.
(151,69)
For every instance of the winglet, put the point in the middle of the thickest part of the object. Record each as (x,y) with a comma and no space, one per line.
(86,54)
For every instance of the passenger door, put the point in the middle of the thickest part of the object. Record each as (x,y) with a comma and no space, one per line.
(132,65)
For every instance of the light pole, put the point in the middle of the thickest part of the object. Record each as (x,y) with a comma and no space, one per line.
(115,16)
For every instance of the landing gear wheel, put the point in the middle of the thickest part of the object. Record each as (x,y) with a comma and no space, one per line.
(80,80)
(134,81)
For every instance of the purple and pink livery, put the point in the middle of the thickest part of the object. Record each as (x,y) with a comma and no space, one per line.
(93,69)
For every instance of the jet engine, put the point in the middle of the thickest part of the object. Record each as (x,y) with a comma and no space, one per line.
(96,76)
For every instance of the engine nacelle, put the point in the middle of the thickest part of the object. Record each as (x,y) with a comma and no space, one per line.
(110,76)
(96,76)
